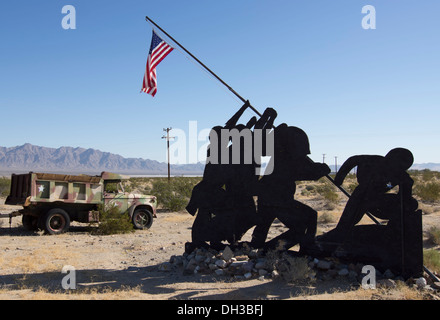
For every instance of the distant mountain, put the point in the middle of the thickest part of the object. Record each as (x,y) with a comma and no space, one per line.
(29,157)
(430,166)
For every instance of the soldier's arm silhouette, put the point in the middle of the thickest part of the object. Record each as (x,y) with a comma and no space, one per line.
(346,167)
(234,119)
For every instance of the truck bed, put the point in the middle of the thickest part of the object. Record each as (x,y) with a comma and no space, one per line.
(20,189)
(55,188)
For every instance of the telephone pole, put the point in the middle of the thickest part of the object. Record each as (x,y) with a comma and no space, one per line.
(168,148)
(336,164)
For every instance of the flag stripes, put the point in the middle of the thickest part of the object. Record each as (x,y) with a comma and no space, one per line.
(159,49)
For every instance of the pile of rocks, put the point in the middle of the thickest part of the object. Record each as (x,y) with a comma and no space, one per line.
(247,263)
(241,264)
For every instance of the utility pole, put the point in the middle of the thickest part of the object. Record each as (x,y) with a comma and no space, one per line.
(323,158)
(168,148)
(336,164)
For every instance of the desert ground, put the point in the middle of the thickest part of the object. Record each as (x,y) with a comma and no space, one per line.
(130,266)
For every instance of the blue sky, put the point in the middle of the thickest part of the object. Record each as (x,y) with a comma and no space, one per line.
(354,91)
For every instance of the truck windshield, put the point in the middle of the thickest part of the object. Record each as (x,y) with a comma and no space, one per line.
(113,187)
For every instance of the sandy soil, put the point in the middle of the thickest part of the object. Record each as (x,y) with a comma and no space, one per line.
(127,267)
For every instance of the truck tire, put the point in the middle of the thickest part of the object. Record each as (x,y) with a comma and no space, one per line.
(142,219)
(30,223)
(55,221)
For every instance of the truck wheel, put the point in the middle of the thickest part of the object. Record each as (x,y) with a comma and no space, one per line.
(142,219)
(29,222)
(56,221)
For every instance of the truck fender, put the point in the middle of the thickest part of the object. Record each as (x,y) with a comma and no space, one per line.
(134,207)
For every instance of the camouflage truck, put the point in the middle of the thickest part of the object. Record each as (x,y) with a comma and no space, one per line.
(51,201)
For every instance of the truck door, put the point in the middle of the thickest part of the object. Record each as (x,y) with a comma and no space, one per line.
(114,196)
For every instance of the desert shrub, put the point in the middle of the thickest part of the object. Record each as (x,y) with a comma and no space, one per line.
(326,218)
(5,186)
(112,221)
(424,175)
(431,259)
(429,191)
(428,175)
(290,268)
(351,186)
(173,195)
(434,235)
(327,192)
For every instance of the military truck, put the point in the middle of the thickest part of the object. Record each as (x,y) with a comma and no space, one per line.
(51,201)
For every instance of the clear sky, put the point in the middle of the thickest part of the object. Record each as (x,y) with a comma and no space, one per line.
(353,90)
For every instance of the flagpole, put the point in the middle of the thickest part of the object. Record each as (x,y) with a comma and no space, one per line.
(203,65)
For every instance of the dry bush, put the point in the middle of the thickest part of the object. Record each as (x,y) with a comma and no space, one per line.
(431,259)
(434,235)
(290,268)
(326,217)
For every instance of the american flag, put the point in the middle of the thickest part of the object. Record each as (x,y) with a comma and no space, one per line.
(159,49)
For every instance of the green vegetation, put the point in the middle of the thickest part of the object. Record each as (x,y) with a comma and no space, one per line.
(328,192)
(324,189)
(434,235)
(172,195)
(5,186)
(426,185)
(113,222)
(431,259)
(429,191)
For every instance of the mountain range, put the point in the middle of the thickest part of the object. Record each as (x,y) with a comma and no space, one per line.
(71,160)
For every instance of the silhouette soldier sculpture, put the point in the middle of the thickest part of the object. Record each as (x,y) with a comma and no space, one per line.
(276,192)
(396,244)
(223,200)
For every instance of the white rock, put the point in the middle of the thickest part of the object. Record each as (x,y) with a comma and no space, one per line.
(227,254)
(219,272)
(421,282)
(262,272)
(221,263)
(386,283)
